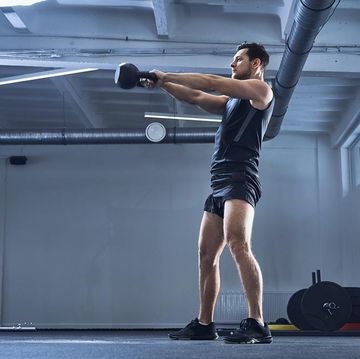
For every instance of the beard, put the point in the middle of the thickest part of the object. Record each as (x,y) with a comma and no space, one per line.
(243,76)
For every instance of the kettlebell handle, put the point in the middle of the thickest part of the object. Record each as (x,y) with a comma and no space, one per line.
(148,75)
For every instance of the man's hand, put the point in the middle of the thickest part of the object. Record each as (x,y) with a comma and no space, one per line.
(151,84)
(148,84)
(160,75)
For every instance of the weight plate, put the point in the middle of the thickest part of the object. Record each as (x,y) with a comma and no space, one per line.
(294,311)
(326,306)
(354,293)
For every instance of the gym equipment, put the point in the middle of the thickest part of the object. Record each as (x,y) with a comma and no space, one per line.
(283,327)
(282,324)
(325,306)
(127,76)
(294,311)
(351,326)
(287,327)
(294,307)
(354,293)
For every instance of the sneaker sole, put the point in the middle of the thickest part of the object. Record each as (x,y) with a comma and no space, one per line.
(266,340)
(197,338)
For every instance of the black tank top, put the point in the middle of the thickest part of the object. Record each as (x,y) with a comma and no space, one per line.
(242,155)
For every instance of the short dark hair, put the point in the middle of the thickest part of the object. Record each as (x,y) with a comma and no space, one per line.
(255,51)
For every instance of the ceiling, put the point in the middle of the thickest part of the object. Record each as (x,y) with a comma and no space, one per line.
(175,35)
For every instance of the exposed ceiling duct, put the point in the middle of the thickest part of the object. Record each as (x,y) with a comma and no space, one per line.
(103,136)
(310,16)
(333,61)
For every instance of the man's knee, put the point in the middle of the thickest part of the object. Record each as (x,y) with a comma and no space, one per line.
(237,242)
(208,258)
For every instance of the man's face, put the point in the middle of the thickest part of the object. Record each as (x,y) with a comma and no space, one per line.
(241,66)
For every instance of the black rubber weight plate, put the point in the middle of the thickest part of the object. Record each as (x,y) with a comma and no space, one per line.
(326,306)
(294,311)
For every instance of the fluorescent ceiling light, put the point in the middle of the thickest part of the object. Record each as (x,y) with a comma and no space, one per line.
(15,20)
(43,75)
(113,3)
(4,3)
(165,116)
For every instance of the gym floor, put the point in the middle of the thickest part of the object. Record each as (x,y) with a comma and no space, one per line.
(155,344)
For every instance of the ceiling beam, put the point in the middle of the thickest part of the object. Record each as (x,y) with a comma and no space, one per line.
(137,101)
(111,3)
(299,126)
(111,87)
(251,7)
(14,19)
(348,128)
(280,9)
(349,4)
(171,103)
(286,14)
(161,17)
(80,104)
(255,3)
(317,64)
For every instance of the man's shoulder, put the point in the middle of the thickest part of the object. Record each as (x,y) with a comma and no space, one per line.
(266,98)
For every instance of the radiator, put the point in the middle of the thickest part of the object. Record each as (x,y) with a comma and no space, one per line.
(232,306)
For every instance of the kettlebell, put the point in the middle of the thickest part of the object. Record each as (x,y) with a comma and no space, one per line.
(127,76)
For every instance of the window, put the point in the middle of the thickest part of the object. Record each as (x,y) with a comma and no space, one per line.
(355,163)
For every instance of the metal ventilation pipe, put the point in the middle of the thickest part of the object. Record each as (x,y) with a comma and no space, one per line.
(310,15)
(103,136)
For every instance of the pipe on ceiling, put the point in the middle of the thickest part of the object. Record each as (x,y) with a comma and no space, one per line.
(103,136)
(310,16)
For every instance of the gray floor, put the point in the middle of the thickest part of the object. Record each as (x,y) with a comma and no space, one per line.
(155,344)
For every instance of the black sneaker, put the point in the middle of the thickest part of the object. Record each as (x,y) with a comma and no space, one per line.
(196,331)
(250,332)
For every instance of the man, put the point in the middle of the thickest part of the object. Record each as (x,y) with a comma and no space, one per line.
(246,104)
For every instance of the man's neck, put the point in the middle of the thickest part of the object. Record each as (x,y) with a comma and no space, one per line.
(257,76)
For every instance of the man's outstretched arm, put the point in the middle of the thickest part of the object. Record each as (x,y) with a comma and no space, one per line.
(251,89)
(209,103)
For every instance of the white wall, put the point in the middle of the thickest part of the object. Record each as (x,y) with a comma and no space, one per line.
(350,237)
(106,236)
(2,226)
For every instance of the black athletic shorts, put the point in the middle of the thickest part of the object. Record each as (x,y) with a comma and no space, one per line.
(239,185)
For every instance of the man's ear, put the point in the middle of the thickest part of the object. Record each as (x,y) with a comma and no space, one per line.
(256,62)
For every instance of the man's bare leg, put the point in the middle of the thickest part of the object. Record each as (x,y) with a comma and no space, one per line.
(238,221)
(211,245)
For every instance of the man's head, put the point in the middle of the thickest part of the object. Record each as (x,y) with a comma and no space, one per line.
(249,60)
